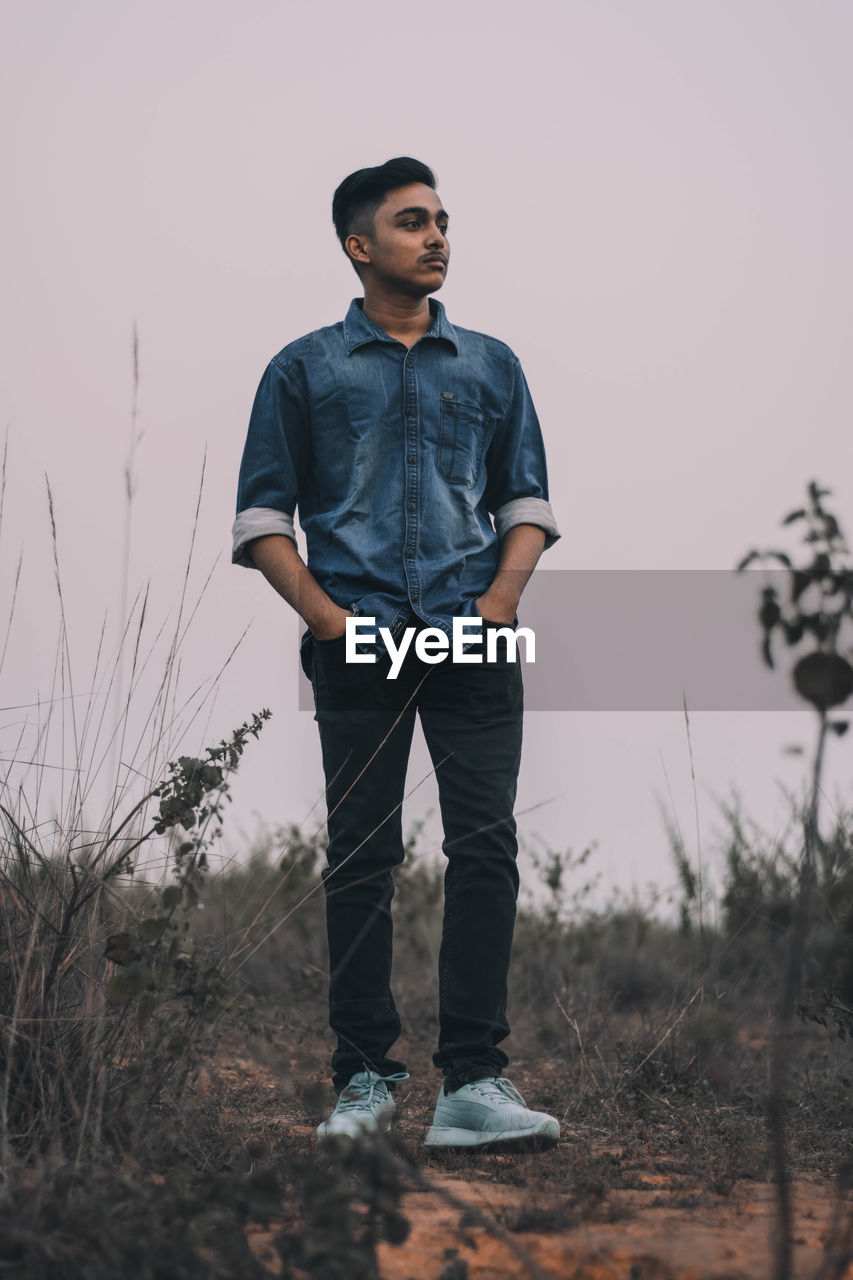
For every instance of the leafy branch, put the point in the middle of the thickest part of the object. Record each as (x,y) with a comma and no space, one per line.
(818,602)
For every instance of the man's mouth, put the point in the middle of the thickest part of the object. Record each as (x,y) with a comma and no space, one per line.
(436,258)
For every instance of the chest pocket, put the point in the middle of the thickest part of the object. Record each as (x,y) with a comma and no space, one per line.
(462,440)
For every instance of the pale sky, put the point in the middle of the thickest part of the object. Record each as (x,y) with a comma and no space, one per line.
(650,201)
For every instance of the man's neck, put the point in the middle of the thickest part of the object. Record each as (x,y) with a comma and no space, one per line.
(406,319)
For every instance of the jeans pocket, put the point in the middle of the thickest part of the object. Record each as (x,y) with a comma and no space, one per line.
(491,623)
(306,646)
(336,642)
(330,655)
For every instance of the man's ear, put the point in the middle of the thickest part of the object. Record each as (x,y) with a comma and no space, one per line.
(357,248)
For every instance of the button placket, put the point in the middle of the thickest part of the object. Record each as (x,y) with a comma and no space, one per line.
(410,426)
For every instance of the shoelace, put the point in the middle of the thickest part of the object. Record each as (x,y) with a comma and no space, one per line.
(501,1085)
(357,1097)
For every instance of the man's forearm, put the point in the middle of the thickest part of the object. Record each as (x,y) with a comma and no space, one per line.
(281,564)
(521,547)
(285,570)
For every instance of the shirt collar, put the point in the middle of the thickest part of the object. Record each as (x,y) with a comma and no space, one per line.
(358,329)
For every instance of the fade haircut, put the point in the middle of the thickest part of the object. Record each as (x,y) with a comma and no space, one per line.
(359,196)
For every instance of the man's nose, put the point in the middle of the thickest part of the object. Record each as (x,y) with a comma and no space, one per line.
(437,237)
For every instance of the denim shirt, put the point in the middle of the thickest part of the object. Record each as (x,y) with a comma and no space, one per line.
(397,461)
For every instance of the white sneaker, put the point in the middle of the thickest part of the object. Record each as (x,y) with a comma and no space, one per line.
(490,1113)
(365,1106)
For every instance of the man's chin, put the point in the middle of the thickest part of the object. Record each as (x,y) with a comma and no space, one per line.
(421,288)
(434,284)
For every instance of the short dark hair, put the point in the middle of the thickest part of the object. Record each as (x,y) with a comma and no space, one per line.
(359,196)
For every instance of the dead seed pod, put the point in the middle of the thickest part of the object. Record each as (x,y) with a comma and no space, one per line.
(823,679)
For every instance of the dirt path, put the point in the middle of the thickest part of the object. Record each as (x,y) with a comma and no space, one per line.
(511,1217)
(651,1238)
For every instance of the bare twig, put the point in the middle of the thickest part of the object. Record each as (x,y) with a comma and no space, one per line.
(574,1026)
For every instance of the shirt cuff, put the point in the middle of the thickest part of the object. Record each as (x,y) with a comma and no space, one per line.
(257,522)
(527,511)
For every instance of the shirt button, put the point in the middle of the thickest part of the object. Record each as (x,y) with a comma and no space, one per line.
(411,506)
(411,458)
(410,362)
(410,555)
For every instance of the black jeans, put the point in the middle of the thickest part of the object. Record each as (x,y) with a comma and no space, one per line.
(471,716)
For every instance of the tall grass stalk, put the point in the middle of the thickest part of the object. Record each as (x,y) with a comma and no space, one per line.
(818,605)
(14,595)
(777,1101)
(700,874)
(67,1034)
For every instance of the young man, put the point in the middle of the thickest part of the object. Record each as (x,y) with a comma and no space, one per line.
(401,438)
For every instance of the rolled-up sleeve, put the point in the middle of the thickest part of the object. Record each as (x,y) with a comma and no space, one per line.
(517,484)
(274,465)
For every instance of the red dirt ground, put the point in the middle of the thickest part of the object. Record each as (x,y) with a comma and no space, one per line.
(477,1228)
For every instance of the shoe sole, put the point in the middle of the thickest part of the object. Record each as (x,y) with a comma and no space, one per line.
(539,1139)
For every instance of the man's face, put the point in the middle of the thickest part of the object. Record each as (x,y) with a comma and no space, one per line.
(408,249)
